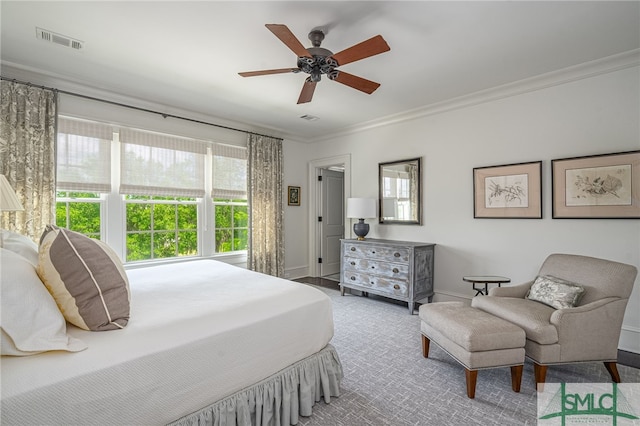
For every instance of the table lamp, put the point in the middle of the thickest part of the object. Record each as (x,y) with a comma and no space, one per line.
(8,201)
(361,209)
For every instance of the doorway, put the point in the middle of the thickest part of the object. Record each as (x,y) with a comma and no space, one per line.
(334,164)
(331,220)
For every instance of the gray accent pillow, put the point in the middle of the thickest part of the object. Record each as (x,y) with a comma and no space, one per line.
(555,292)
(86,278)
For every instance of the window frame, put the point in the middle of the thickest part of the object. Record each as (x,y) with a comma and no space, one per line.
(101,199)
(113,213)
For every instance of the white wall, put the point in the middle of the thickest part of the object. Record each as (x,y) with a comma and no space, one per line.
(588,116)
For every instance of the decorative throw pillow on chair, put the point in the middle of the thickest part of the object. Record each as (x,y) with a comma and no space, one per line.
(555,292)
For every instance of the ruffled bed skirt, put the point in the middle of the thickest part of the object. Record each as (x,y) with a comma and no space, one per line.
(278,400)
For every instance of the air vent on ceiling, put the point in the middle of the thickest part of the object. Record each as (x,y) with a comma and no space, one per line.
(60,39)
(309,117)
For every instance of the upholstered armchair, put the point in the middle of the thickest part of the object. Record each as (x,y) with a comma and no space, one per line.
(585,333)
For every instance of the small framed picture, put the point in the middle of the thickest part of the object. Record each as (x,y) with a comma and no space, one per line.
(603,186)
(294,195)
(511,191)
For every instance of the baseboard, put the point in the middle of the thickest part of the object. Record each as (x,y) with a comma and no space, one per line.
(296,272)
(630,359)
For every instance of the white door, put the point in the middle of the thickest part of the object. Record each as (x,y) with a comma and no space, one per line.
(331,220)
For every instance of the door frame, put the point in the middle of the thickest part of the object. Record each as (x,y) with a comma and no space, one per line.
(314,166)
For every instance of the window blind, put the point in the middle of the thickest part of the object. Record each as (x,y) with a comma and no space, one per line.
(83,156)
(229,172)
(161,165)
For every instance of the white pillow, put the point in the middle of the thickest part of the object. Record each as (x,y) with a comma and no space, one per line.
(30,320)
(20,244)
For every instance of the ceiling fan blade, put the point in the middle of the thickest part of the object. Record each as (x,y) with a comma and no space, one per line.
(286,36)
(373,46)
(307,91)
(267,72)
(358,83)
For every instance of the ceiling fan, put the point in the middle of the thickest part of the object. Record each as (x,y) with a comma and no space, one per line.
(317,60)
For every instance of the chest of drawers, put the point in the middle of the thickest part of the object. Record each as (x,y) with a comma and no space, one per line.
(399,270)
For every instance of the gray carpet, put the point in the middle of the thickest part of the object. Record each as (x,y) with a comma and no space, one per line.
(388,382)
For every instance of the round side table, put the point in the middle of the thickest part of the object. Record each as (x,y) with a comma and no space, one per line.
(486,280)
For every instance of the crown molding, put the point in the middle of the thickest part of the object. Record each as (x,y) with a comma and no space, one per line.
(63,83)
(578,72)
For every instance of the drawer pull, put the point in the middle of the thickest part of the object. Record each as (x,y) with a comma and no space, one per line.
(395,270)
(353,249)
(396,254)
(373,252)
(396,286)
(353,278)
(373,267)
(353,263)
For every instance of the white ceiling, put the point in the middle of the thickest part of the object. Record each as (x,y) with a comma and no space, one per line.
(187,55)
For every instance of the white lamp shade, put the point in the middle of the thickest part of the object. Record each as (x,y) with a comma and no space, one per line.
(361,208)
(8,198)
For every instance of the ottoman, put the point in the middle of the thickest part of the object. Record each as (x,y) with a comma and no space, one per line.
(474,338)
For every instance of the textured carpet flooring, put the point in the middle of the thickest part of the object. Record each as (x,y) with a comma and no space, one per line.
(388,382)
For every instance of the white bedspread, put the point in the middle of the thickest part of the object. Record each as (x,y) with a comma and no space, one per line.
(198,332)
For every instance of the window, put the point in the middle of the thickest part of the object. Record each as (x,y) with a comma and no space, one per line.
(83,156)
(232,219)
(229,192)
(80,212)
(83,174)
(161,227)
(171,197)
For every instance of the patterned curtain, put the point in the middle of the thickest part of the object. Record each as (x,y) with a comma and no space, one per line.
(264,179)
(27,155)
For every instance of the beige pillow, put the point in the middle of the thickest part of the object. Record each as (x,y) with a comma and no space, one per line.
(30,322)
(555,292)
(86,278)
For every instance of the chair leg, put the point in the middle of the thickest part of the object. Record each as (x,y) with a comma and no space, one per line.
(425,346)
(516,377)
(540,373)
(612,368)
(472,378)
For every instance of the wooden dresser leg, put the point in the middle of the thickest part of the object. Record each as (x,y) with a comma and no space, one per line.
(425,346)
(472,377)
(612,368)
(516,377)
(540,374)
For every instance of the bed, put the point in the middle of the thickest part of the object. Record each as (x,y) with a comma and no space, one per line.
(206,343)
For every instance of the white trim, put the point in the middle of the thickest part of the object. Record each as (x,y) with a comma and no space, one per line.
(629,339)
(446,296)
(296,272)
(594,68)
(314,165)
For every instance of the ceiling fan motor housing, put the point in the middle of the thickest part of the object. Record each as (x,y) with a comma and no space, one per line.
(321,61)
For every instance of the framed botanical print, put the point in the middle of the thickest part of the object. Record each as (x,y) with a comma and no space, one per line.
(597,186)
(511,191)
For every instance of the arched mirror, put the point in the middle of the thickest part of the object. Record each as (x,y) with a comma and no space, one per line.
(400,192)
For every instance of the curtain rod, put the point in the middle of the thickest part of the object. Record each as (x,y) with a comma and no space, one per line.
(164,115)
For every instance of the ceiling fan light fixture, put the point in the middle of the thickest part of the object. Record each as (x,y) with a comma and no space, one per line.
(316,61)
